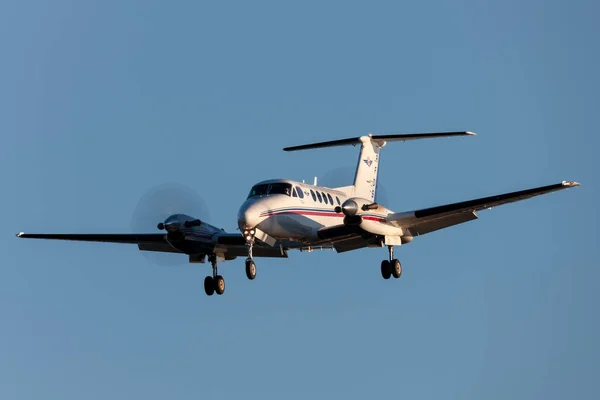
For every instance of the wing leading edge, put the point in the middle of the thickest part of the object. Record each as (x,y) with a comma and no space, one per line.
(420,222)
(143,238)
(226,243)
(145,241)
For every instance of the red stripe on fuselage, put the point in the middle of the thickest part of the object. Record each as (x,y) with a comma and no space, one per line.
(320,214)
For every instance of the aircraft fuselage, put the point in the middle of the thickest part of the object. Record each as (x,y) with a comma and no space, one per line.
(296,211)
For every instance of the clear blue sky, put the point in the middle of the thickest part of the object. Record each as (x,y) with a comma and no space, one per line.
(101,101)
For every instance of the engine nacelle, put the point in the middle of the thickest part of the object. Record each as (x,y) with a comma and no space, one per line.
(355,206)
(354,210)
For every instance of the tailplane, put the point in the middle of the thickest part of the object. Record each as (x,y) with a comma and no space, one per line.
(365,178)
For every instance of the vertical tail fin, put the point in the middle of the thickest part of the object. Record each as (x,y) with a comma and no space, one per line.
(365,178)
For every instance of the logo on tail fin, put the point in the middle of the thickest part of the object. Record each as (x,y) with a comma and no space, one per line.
(368,161)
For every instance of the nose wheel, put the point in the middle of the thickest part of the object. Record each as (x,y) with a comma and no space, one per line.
(250,268)
(215,283)
(250,264)
(391,267)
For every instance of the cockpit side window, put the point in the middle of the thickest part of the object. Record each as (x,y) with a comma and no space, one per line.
(258,190)
(280,188)
(299,190)
(313,195)
(319,197)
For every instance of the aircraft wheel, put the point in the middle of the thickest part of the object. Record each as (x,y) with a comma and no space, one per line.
(396,268)
(219,284)
(250,269)
(386,269)
(209,285)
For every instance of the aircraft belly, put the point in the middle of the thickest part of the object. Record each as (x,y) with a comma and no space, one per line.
(296,226)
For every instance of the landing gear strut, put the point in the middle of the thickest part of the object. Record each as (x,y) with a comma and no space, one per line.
(391,267)
(214,283)
(250,264)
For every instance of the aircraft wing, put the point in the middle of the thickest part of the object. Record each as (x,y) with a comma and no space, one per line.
(144,238)
(145,241)
(232,244)
(420,222)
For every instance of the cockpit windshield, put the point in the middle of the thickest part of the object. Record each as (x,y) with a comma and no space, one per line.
(258,190)
(269,189)
(280,188)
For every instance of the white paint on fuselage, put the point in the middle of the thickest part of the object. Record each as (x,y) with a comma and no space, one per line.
(295,218)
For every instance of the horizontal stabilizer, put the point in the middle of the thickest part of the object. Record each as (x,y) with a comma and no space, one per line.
(378,138)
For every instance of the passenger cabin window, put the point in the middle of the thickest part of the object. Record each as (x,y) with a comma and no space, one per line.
(299,190)
(319,197)
(330,199)
(324,197)
(273,188)
(338,200)
(313,195)
(294,192)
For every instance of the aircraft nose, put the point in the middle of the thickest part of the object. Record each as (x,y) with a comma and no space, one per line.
(249,216)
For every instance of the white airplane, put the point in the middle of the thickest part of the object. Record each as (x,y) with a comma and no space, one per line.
(281,215)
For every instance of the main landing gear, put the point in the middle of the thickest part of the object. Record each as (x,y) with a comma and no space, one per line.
(214,283)
(391,267)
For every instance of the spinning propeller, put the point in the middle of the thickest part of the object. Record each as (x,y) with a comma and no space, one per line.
(166,207)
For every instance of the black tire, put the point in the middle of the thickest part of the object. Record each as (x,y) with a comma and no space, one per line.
(386,269)
(396,268)
(250,269)
(219,285)
(209,285)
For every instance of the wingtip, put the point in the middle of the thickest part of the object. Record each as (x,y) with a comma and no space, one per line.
(471,133)
(571,183)
(20,234)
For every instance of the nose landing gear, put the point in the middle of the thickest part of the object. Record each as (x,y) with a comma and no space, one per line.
(250,268)
(392,267)
(250,264)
